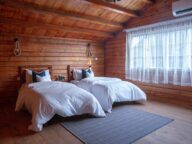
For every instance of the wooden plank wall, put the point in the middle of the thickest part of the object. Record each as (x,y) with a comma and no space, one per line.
(115,58)
(43,51)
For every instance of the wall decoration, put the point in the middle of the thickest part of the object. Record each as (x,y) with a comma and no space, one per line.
(17,50)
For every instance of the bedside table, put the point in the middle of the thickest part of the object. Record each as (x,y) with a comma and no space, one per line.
(60,78)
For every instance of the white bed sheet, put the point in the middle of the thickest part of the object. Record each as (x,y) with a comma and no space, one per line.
(45,99)
(109,90)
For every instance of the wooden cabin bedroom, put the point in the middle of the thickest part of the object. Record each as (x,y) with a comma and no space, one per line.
(95,71)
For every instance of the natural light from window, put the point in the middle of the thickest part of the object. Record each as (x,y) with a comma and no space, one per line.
(161,53)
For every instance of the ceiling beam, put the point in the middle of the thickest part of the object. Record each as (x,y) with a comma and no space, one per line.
(114,8)
(57,39)
(55,27)
(149,1)
(55,12)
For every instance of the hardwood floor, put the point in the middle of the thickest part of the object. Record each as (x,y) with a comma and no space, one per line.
(13,127)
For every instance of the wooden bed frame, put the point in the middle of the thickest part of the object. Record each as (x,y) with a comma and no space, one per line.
(38,68)
(70,71)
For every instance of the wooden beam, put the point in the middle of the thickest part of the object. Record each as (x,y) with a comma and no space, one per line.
(101,40)
(55,12)
(2,1)
(149,1)
(114,8)
(42,38)
(55,27)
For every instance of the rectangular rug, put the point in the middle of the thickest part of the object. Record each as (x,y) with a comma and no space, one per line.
(123,126)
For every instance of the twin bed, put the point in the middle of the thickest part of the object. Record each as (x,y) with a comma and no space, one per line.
(108,90)
(92,95)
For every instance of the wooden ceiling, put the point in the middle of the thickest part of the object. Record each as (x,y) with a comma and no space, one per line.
(96,20)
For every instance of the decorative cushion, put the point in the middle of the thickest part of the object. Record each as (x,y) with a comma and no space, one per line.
(32,76)
(39,74)
(87,73)
(42,79)
(84,72)
(90,73)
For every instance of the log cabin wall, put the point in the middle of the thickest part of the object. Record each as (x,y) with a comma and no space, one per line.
(90,20)
(93,21)
(43,51)
(115,50)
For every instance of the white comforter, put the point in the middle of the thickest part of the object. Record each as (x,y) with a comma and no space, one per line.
(109,90)
(45,99)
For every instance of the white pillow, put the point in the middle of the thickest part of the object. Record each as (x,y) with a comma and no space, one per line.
(77,74)
(47,77)
(90,74)
(29,77)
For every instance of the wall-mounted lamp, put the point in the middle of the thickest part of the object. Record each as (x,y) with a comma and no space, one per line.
(90,55)
(17,50)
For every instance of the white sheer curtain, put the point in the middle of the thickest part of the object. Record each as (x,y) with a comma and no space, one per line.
(161,53)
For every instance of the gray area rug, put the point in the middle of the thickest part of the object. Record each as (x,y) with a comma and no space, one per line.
(123,126)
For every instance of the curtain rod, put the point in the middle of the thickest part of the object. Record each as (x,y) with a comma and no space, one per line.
(167,22)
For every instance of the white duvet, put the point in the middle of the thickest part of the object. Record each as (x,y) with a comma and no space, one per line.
(45,99)
(109,90)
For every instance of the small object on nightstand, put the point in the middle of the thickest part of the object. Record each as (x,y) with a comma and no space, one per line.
(60,78)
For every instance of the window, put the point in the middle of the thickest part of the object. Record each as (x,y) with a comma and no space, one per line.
(161,53)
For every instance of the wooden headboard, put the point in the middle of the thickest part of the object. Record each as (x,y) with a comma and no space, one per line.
(38,68)
(70,71)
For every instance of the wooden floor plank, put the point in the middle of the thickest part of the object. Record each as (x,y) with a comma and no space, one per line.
(13,127)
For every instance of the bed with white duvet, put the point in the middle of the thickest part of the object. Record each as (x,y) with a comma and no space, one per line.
(109,90)
(45,99)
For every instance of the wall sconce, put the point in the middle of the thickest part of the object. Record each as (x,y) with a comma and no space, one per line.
(90,62)
(90,55)
(17,50)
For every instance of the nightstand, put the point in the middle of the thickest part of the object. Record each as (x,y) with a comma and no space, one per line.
(60,78)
